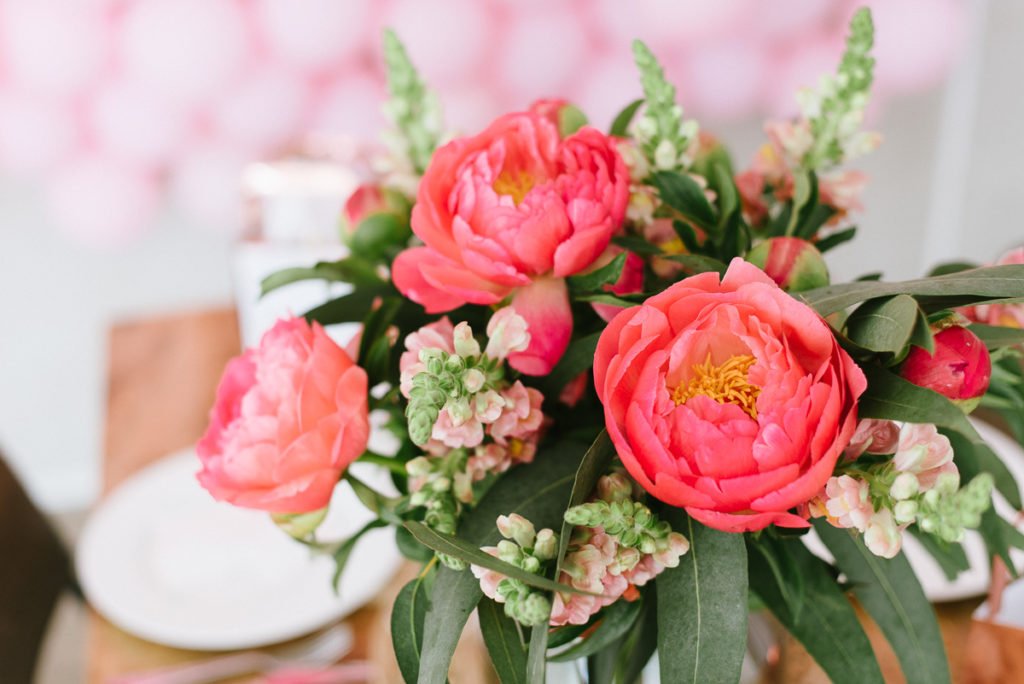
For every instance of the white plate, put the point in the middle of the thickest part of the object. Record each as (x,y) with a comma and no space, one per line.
(161,559)
(974,581)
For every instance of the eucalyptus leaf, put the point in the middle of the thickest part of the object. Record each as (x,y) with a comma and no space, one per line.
(890,592)
(641,644)
(702,617)
(637,245)
(950,557)
(682,193)
(344,551)
(805,195)
(350,270)
(697,263)
(955,289)
(620,125)
(348,308)
(996,336)
(377,503)
(457,548)
(884,324)
(503,641)
(597,279)
(827,625)
(783,568)
(622,301)
(835,239)
(922,335)
(536,655)
(407,617)
(594,464)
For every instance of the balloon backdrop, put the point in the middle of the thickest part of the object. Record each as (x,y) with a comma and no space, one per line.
(116,105)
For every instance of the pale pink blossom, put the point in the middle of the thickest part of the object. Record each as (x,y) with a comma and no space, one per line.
(436,335)
(506,334)
(847,502)
(488,406)
(873,437)
(468,433)
(489,579)
(925,453)
(463,341)
(521,417)
(883,536)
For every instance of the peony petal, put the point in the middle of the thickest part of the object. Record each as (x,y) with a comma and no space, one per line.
(545,306)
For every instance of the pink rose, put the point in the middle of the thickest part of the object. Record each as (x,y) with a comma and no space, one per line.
(290,416)
(726,396)
(512,212)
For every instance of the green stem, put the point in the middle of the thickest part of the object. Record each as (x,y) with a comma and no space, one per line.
(389,462)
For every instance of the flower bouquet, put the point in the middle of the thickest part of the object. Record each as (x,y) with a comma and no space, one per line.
(624,389)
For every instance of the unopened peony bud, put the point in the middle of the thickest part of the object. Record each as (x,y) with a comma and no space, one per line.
(959,369)
(793,263)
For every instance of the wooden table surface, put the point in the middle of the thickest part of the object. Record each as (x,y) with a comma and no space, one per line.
(162,377)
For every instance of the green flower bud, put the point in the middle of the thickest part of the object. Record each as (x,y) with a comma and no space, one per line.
(452,562)
(545,547)
(419,466)
(905,511)
(534,610)
(517,528)
(904,486)
(300,526)
(530,564)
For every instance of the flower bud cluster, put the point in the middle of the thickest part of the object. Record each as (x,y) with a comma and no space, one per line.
(467,416)
(661,131)
(918,484)
(525,548)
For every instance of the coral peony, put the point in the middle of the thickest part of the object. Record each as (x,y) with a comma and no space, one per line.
(290,416)
(1008,315)
(510,213)
(728,397)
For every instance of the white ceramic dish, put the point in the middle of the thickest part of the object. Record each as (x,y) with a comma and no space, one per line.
(974,581)
(162,560)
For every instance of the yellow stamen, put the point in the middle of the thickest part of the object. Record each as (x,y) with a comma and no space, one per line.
(514,184)
(673,246)
(726,384)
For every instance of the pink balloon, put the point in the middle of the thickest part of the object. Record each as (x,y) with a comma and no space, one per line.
(101,202)
(263,110)
(916,42)
(541,53)
(608,85)
(352,106)
(722,81)
(187,50)
(53,47)
(316,34)
(448,40)
(207,185)
(136,124)
(34,134)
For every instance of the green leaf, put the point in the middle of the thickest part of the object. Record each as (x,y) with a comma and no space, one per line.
(952,267)
(410,548)
(465,551)
(683,194)
(537,491)
(595,281)
(504,642)
(620,125)
(922,335)
(891,397)
(570,119)
(990,283)
(835,239)
(578,357)
(949,556)
(563,635)
(637,245)
(344,551)
(728,195)
(884,324)
(702,617)
(623,301)
(783,568)
(697,263)
(349,308)
(378,233)
(827,625)
(815,218)
(595,463)
(601,666)
(890,592)
(407,618)
(350,270)
(805,196)
(536,655)
(641,644)
(377,503)
(616,620)
(996,336)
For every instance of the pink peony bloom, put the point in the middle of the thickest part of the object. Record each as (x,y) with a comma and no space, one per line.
(290,416)
(1007,315)
(873,437)
(437,335)
(521,418)
(959,369)
(925,453)
(728,397)
(512,212)
(847,502)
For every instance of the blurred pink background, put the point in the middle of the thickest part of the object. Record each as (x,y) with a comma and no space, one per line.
(119,107)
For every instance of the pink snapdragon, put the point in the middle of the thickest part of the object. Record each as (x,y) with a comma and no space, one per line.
(848,502)
(925,453)
(873,436)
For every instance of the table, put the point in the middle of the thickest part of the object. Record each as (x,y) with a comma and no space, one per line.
(162,377)
(161,380)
